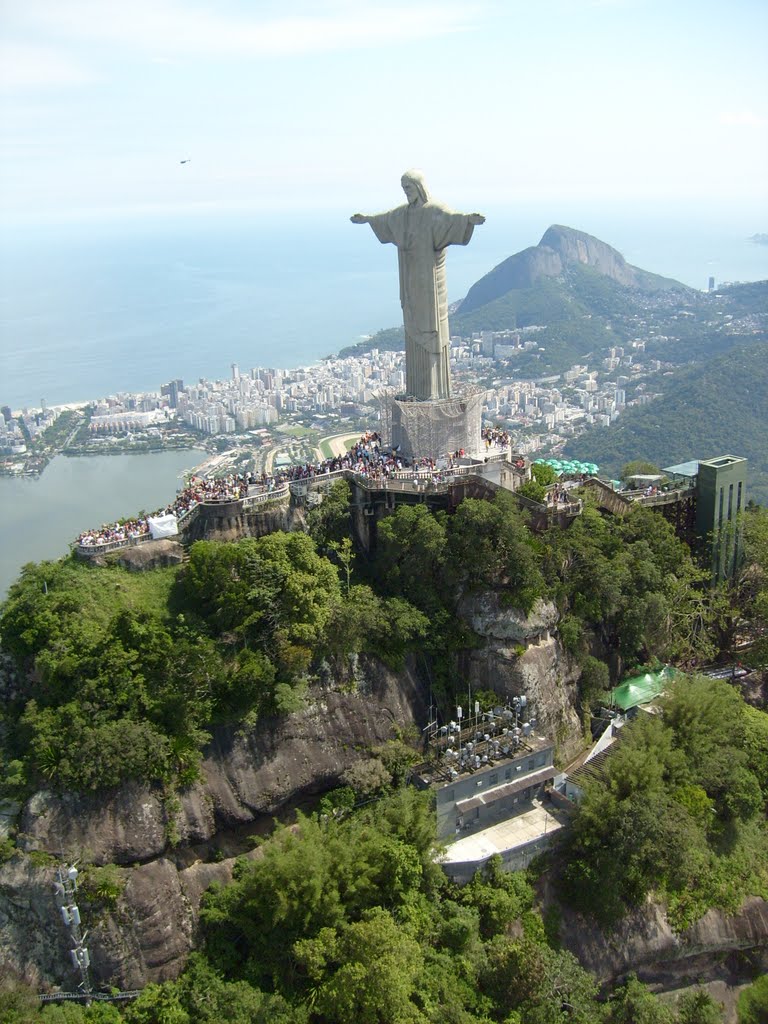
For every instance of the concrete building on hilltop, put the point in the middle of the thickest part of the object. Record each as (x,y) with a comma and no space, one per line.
(489,778)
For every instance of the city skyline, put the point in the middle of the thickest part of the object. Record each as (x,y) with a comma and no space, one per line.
(164,106)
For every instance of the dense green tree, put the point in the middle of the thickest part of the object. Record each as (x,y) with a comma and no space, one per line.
(753,1002)
(595,681)
(74,1013)
(698,1008)
(364,973)
(499,897)
(533,490)
(543,473)
(634,1003)
(546,986)
(636,583)
(157,1004)
(753,584)
(385,626)
(756,745)
(490,546)
(326,875)
(675,810)
(411,556)
(330,521)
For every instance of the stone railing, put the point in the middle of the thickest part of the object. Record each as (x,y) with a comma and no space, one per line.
(496,455)
(566,508)
(264,497)
(92,550)
(301,486)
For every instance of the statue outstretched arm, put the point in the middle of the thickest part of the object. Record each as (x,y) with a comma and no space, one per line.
(360,218)
(476,218)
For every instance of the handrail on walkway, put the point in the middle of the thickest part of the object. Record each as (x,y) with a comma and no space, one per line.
(111,545)
(265,497)
(664,497)
(95,997)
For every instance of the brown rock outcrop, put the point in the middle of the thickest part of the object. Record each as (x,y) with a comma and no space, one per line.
(154,554)
(644,941)
(245,774)
(522,655)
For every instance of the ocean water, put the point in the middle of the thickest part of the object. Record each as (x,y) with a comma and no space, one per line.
(92,308)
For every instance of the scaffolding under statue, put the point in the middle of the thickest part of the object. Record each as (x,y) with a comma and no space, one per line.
(432,429)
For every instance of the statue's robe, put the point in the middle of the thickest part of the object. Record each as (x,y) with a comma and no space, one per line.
(421,234)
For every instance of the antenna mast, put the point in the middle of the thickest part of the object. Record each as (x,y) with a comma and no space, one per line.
(66,890)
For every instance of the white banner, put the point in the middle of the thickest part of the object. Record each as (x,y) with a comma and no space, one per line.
(163,526)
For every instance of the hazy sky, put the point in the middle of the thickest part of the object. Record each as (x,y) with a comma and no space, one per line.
(292,105)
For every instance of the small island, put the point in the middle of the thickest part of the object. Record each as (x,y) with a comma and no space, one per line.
(759,239)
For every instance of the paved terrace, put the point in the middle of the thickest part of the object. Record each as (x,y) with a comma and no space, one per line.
(499,469)
(538,824)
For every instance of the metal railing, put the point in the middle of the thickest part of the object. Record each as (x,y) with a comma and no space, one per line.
(91,997)
(662,497)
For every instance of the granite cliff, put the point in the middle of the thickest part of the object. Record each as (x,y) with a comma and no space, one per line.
(169,848)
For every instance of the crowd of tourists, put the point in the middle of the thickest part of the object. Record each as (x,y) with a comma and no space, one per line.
(228,488)
(495,437)
(115,533)
(366,458)
(557,496)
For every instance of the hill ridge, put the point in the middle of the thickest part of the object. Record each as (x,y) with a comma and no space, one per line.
(559,248)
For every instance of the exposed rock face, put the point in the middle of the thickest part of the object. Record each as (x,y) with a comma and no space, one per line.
(578,247)
(522,656)
(559,248)
(245,775)
(644,941)
(152,555)
(146,938)
(228,522)
(487,614)
(709,953)
(153,931)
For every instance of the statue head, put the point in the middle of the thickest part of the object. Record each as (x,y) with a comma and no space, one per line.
(414,186)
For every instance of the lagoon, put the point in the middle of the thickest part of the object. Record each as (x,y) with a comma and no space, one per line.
(40,517)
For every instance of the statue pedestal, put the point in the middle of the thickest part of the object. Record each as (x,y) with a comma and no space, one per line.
(433,429)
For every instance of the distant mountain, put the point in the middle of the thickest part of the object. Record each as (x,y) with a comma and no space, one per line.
(586,298)
(559,250)
(719,407)
(579,289)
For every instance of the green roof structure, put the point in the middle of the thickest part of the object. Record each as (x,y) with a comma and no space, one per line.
(641,689)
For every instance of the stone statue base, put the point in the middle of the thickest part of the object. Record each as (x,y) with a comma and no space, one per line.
(433,429)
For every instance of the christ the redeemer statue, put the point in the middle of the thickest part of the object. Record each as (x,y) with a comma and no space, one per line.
(421,230)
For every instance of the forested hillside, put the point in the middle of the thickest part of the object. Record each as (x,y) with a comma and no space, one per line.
(346,917)
(715,408)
